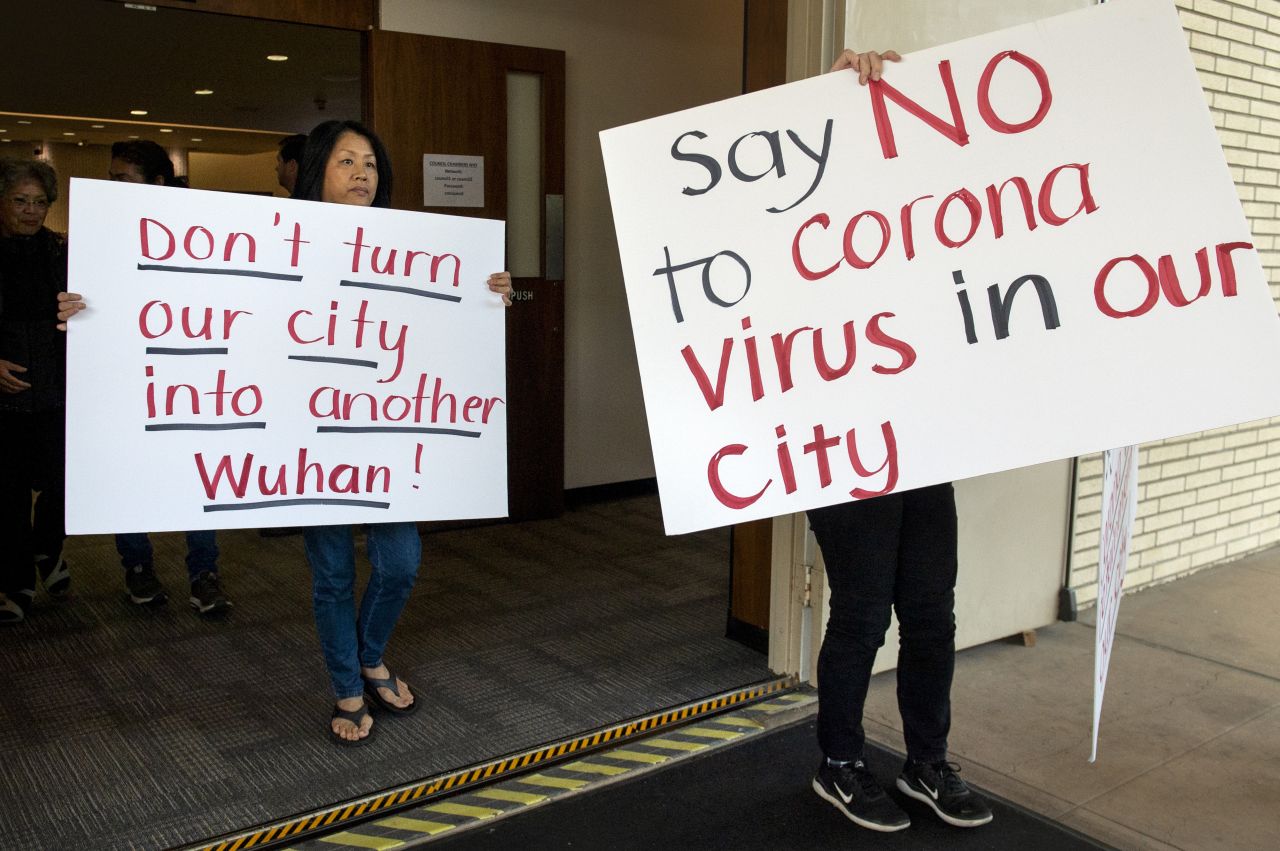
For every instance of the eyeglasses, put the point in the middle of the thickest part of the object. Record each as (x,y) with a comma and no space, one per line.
(21,202)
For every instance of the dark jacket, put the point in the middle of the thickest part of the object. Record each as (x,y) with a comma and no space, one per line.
(33,270)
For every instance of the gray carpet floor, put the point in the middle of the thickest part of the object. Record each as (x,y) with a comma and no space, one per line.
(129,728)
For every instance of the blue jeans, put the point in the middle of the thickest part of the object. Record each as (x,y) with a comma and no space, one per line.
(347,641)
(202,551)
(898,552)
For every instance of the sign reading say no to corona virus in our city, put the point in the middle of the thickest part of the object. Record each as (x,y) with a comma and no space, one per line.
(1015,248)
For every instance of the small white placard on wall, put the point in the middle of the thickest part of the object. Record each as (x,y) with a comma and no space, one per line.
(452,180)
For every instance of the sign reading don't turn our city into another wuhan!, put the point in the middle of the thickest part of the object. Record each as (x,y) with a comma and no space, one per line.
(1016,248)
(250,361)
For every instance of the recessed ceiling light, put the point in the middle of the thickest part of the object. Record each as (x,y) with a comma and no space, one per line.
(3,130)
(133,137)
(196,139)
(204,91)
(137,112)
(68,133)
(23,121)
(97,126)
(165,130)
(277,57)
(6,140)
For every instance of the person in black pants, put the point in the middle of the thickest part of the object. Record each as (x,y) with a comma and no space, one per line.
(893,552)
(33,270)
(896,551)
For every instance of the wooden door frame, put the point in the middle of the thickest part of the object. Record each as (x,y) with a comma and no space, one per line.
(338,14)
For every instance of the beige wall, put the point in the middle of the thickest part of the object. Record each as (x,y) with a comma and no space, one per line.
(906,25)
(1211,497)
(624,62)
(72,161)
(234,172)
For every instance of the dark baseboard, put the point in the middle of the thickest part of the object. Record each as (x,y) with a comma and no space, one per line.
(747,634)
(576,497)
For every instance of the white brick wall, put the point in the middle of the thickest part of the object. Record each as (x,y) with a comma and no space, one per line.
(1215,496)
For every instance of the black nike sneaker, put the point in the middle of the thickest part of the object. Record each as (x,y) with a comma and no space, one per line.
(852,790)
(938,784)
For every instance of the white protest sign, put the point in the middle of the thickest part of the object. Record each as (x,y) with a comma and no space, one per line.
(1016,248)
(250,361)
(1119,507)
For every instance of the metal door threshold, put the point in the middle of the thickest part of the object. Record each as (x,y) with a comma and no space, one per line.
(415,812)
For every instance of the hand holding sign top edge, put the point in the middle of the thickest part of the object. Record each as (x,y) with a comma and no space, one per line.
(500,283)
(869,65)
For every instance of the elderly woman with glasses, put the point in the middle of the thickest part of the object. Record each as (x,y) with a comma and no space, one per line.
(33,270)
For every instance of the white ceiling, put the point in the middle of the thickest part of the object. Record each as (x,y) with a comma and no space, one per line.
(68,64)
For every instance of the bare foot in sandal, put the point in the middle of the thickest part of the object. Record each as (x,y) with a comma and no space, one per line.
(347,729)
(403,700)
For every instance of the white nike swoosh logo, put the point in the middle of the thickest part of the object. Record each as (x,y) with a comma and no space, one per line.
(848,799)
(932,792)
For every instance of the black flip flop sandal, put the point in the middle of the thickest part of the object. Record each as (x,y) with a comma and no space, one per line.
(355,716)
(371,686)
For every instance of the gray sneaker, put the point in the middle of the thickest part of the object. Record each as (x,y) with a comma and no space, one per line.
(206,594)
(143,586)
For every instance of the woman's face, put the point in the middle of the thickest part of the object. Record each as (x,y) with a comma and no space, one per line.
(25,206)
(126,172)
(351,174)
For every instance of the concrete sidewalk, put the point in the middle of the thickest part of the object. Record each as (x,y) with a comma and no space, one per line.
(1189,749)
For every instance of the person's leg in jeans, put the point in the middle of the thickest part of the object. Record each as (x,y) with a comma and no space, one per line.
(859,542)
(140,580)
(395,550)
(134,549)
(925,602)
(331,554)
(202,553)
(202,574)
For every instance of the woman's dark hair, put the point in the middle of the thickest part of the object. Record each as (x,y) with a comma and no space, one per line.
(13,172)
(320,144)
(150,158)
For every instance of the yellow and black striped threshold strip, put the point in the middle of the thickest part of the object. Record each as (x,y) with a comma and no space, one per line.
(534,777)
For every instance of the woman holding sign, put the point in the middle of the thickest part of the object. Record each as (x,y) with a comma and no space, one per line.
(33,269)
(345,163)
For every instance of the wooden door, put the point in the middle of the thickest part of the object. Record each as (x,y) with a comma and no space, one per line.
(432,95)
(764,64)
